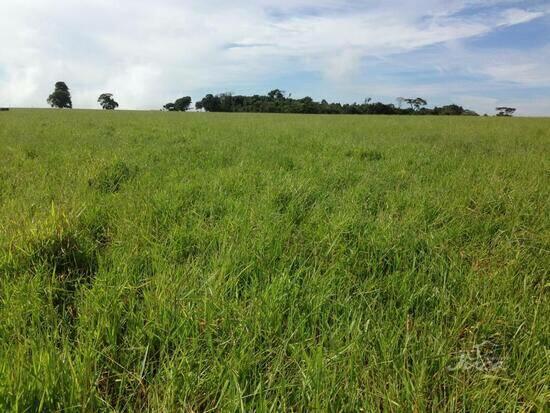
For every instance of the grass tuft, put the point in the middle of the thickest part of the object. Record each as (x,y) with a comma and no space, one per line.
(112,177)
(370,156)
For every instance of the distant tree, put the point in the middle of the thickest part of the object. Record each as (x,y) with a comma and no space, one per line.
(210,103)
(226,102)
(505,111)
(419,102)
(180,105)
(449,110)
(61,97)
(452,110)
(107,102)
(379,108)
(416,103)
(276,94)
(400,102)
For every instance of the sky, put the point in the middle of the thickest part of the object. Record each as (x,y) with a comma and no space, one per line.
(478,54)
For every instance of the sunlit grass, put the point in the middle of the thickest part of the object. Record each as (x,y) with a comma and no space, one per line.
(165,261)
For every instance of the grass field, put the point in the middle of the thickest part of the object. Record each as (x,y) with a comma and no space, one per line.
(161,262)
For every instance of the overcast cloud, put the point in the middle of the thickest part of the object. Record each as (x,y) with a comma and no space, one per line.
(477,53)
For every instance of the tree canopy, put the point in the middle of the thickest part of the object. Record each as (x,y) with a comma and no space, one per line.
(505,111)
(180,105)
(107,102)
(61,96)
(416,103)
(277,101)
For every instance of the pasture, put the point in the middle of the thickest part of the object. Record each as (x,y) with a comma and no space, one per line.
(244,262)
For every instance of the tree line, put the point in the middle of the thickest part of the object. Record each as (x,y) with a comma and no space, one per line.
(278,101)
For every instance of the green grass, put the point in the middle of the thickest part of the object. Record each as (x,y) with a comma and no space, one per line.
(194,262)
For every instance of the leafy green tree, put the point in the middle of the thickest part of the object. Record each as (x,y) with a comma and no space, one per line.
(182,104)
(416,103)
(107,102)
(505,111)
(452,110)
(276,94)
(210,103)
(61,97)
(449,110)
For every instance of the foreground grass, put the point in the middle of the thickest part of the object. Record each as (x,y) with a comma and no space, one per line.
(161,261)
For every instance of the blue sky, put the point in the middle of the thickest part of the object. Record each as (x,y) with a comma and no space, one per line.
(479,54)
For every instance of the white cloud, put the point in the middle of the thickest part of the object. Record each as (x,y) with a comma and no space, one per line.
(150,52)
(522,68)
(518,16)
